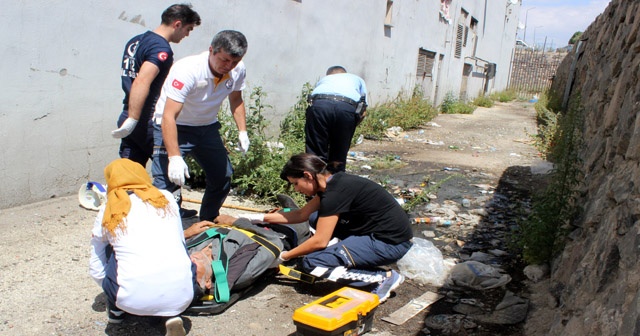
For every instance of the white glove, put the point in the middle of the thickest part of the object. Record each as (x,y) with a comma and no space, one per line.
(178,169)
(127,127)
(254,218)
(281,259)
(244,141)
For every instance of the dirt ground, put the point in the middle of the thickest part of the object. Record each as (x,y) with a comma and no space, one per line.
(46,290)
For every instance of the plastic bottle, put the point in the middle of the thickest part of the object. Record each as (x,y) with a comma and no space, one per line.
(445,222)
(426,220)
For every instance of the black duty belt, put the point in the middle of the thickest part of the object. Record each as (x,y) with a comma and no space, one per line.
(334,98)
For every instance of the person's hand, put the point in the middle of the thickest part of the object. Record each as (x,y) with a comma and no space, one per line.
(197,228)
(127,127)
(225,219)
(178,169)
(244,141)
(282,258)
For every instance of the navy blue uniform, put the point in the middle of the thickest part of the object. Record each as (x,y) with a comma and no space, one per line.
(331,117)
(147,47)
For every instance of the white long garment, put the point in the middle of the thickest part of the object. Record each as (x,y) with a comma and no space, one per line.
(154,269)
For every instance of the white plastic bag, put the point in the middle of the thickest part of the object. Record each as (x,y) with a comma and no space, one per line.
(423,263)
(476,275)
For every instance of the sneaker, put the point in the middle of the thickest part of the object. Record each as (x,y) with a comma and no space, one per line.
(187,213)
(115,316)
(175,327)
(286,201)
(388,285)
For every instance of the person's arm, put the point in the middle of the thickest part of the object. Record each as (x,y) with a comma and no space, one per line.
(236,103)
(197,228)
(140,88)
(137,97)
(319,241)
(178,169)
(171,112)
(291,217)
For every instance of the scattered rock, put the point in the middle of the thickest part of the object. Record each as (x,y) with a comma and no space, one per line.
(536,273)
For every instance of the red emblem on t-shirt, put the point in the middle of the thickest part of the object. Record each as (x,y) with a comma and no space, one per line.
(177,84)
(163,56)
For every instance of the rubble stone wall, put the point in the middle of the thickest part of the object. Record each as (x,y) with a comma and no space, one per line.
(597,277)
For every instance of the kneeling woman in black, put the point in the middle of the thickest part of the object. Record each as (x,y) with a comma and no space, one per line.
(372,227)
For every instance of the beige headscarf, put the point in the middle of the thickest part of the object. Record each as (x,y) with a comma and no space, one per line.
(123,175)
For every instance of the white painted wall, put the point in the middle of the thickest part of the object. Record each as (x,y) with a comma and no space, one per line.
(61,86)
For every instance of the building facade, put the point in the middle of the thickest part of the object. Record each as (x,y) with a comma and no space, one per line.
(62,62)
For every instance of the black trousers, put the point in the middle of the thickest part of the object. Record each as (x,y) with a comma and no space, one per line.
(329,128)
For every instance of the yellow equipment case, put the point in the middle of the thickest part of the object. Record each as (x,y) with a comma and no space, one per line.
(346,312)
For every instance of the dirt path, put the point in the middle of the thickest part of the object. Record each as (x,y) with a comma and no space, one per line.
(44,247)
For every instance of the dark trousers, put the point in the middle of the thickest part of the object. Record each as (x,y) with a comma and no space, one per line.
(205,145)
(137,146)
(354,260)
(329,128)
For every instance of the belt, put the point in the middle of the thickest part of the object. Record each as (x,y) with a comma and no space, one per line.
(334,98)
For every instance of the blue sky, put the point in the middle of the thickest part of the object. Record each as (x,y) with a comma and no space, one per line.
(557,20)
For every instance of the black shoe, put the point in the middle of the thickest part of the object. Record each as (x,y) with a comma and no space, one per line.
(115,316)
(187,213)
(286,201)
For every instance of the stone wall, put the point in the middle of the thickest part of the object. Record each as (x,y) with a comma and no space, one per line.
(597,277)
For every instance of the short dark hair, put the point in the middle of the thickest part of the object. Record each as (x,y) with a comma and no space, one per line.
(232,42)
(180,12)
(336,69)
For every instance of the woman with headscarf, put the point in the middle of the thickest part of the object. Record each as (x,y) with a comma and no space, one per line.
(138,251)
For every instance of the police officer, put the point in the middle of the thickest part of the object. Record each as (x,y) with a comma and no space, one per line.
(337,105)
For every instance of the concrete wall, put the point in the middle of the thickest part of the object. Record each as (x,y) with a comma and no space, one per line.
(62,93)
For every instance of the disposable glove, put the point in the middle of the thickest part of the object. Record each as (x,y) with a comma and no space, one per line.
(127,127)
(281,259)
(254,218)
(244,141)
(178,169)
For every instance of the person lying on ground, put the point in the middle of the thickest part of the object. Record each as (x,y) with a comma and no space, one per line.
(138,253)
(372,227)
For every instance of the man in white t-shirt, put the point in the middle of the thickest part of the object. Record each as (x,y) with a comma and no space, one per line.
(186,119)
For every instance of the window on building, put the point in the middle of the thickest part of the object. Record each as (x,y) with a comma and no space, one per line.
(462,32)
(459,36)
(426,59)
(388,16)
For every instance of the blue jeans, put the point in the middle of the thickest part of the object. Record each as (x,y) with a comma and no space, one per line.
(354,260)
(205,145)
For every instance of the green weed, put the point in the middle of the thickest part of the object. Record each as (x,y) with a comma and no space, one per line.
(406,113)
(483,101)
(504,96)
(543,234)
(452,105)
